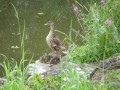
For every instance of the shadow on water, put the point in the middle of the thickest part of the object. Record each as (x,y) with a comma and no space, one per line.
(35,13)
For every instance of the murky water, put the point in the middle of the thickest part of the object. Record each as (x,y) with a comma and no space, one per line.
(35,13)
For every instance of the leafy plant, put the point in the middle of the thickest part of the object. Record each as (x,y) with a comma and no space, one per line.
(101,31)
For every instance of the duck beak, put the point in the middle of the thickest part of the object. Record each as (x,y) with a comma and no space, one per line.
(45,24)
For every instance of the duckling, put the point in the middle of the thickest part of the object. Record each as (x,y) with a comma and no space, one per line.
(52,40)
(51,58)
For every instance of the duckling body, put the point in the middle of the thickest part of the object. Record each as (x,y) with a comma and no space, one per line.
(51,58)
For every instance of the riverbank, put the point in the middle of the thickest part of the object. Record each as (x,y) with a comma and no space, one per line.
(92,65)
(65,72)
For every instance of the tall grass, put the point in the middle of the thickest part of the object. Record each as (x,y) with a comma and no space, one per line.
(71,80)
(14,72)
(21,37)
(101,35)
(14,77)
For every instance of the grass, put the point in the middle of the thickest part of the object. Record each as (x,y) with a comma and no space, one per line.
(68,80)
(16,80)
(100,40)
(101,32)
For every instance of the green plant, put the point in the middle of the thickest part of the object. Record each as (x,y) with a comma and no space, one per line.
(14,72)
(36,82)
(14,77)
(101,31)
(71,80)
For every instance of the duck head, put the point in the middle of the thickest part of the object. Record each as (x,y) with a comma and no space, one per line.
(51,24)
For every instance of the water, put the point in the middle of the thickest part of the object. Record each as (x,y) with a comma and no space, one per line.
(35,13)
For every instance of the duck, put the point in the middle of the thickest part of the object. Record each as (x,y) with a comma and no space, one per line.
(52,39)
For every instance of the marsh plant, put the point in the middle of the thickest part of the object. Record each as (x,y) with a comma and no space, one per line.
(101,31)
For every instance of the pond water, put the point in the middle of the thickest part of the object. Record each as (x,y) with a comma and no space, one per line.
(35,13)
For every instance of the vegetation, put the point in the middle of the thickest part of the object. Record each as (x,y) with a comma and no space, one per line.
(100,37)
(101,32)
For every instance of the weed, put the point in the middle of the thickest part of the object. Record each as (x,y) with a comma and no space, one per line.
(101,32)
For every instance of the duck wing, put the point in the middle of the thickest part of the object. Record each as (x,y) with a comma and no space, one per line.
(57,44)
(57,41)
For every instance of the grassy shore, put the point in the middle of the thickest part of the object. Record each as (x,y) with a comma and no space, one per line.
(100,25)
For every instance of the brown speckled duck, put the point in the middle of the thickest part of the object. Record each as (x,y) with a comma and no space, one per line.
(52,40)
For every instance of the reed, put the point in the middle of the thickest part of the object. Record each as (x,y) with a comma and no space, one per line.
(101,31)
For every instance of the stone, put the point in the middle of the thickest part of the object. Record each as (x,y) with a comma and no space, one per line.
(45,70)
(2,81)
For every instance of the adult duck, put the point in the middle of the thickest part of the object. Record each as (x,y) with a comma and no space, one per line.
(52,40)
